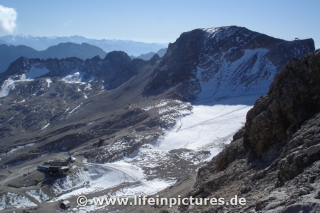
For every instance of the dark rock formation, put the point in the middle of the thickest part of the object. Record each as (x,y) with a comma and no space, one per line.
(292,99)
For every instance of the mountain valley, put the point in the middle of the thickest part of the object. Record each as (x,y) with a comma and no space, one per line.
(139,126)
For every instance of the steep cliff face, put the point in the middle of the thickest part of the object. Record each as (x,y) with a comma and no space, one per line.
(223,62)
(292,99)
(274,160)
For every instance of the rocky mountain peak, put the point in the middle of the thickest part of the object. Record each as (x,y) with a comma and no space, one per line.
(215,62)
(117,57)
(18,67)
(155,58)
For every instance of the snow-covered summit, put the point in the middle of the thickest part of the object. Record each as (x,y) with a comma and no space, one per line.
(222,32)
(215,63)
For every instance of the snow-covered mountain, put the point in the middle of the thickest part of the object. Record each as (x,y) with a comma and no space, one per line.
(41,43)
(147,124)
(224,62)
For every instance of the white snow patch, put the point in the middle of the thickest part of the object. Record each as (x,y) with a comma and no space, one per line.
(39,195)
(91,122)
(13,200)
(147,108)
(35,72)
(49,81)
(145,188)
(88,87)
(222,80)
(206,124)
(135,172)
(45,126)
(162,103)
(74,78)
(95,178)
(219,32)
(74,109)
(10,84)
(17,148)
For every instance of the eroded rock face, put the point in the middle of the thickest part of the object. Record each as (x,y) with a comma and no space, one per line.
(301,151)
(293,98)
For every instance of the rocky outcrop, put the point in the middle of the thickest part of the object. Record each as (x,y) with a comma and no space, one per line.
(292,99)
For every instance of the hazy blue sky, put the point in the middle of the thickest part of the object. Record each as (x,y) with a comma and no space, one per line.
(161,20)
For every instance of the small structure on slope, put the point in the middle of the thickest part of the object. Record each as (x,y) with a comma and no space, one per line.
(65,204)
(57,167)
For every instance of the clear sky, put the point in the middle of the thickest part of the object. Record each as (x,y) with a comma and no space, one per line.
(161,20)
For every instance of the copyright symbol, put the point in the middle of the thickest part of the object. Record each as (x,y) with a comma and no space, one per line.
(82,200)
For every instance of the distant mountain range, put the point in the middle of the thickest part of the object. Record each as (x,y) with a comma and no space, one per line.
(83,51)
(149,55)
(134,48)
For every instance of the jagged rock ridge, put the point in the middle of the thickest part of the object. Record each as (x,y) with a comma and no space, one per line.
(107,73)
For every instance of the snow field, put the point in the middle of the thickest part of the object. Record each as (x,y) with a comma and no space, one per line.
(206,124)
(206,128)
(10,200)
